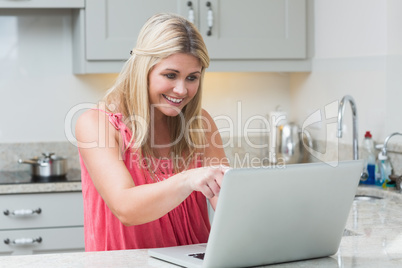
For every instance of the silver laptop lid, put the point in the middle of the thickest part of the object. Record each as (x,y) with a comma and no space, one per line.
(273,215)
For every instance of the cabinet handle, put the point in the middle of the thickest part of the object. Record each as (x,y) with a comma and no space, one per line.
(190,12)
(210,18)
(23,241)
(22,212)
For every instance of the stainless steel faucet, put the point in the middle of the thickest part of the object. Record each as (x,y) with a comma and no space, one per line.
(384,148)
(341,111)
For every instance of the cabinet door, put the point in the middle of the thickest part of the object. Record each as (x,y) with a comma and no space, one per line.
(24,211)
(112,26)
(255,29)
(41,240)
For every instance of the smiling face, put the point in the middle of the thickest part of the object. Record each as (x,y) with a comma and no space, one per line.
(173,83)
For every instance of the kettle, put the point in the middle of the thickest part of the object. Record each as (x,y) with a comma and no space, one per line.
(289,144)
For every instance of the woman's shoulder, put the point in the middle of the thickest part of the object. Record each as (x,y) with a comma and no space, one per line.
(91,117)
(209,123)
(90,124)
(206,116)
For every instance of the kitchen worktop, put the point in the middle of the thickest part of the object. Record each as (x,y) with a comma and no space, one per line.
(20,182)
(373,238)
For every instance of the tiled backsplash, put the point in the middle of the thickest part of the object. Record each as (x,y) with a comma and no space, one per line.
(11,152)
(241,152)
(345,152)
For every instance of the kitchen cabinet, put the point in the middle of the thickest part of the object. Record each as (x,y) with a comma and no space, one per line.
(41,223)
(42,4)
(112,26)
(256,35)
(256,29)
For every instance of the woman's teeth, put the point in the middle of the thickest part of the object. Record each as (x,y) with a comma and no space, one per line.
(172,99)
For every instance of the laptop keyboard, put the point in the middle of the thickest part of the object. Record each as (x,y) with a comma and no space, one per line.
(197,255)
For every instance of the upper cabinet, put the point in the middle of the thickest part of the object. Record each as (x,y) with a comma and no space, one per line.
(42,4)
(255,35)
(112,26)
(255,29)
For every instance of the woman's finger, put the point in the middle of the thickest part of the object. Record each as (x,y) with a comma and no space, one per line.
(214,186)
(205,190)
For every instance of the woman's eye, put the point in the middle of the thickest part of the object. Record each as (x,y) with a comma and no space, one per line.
(192,77)
(170,76)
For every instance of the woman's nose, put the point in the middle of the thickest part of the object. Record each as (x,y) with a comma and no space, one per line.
(180,88)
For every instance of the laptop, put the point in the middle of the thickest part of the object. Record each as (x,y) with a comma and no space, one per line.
(273,215)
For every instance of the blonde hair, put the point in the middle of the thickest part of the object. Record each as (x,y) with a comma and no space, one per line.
(162,36)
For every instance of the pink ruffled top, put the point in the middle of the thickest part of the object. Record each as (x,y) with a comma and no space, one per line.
(187,224)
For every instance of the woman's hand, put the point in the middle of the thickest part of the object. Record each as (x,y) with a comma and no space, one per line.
(207,180)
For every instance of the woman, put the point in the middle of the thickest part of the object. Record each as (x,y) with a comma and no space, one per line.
(150,156)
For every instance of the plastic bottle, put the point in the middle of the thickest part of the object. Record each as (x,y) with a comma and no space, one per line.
(368,154)
(384,170)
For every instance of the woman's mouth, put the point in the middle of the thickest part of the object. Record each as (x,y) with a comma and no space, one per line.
(172,100)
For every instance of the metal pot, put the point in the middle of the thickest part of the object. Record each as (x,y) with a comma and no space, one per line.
(49,165)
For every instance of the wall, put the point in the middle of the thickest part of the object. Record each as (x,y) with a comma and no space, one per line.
(350,58)
(393,119)
(37,86)
(242,99)
(358,55)
(358,51)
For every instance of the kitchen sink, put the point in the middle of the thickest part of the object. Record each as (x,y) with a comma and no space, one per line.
(367,197)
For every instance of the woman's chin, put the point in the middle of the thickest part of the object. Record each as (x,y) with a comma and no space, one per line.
(171,112)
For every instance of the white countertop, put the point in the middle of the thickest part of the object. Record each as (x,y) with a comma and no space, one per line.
(375,241)
(48,187)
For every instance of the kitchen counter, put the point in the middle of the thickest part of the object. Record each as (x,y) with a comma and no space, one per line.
(21,183)
(48,187)
(373,238)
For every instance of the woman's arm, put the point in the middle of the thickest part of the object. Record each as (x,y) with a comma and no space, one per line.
(98,142)
(214,152)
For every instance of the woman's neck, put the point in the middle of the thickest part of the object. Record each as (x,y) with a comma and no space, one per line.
(160,136)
